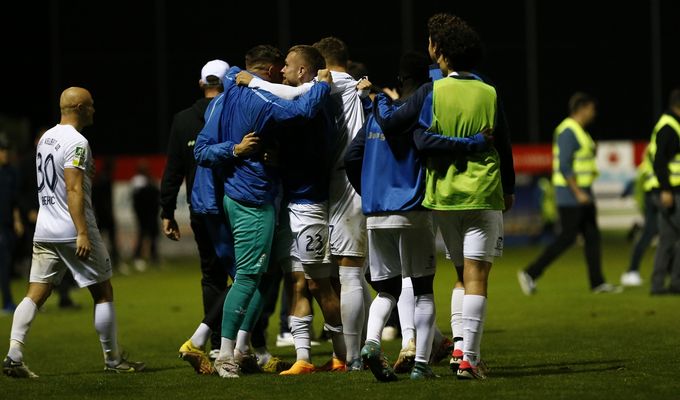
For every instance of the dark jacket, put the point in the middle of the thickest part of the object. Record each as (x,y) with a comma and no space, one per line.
(181,164)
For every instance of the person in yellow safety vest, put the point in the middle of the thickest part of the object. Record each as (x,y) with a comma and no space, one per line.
(665,155)
(642,191)
(574,170)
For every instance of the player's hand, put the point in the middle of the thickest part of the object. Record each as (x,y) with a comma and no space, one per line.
(582,197)
(83,246)
(363,84)
(18,228)
(666,198)
(243,78)
(509,200)
(249,145)
(171,229)
(394,95)
(324,75)
(482,140)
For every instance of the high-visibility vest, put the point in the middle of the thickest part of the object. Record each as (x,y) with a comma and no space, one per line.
(650,154)
(584,166)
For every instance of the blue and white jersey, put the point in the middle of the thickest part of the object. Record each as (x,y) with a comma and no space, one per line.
(246,110)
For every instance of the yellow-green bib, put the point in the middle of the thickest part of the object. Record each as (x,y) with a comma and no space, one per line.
(462,108)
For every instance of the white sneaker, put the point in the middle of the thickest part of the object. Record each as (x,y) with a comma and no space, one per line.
(285,340)
(526,282)
(214,353)
(389,333)
(227,368)
(607,288)
(631,278)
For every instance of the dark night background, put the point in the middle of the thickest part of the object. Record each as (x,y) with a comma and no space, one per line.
(141,60)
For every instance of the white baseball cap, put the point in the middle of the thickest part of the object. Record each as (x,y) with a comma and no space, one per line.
(217,68)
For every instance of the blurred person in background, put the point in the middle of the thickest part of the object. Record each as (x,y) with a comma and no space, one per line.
(665,153)
(102,201)
(145,202)
(574,171)
(11,226)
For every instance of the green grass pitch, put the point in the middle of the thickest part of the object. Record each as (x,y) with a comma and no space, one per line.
(562,343)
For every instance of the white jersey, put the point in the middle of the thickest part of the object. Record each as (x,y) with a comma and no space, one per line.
(59,148)
(349,114)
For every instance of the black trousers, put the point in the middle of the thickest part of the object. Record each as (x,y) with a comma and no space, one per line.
(574,220)
(667,258)
(649,231)
(214,278)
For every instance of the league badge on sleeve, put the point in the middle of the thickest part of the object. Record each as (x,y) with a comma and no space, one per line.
(79,158)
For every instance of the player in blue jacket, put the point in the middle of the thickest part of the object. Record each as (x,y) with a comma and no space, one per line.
(250,186)
(388,173)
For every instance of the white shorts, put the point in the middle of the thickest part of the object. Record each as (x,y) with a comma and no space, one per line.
(290,265)
(309,228)
(471,234)
(398,251)
(347,223)
(50,261)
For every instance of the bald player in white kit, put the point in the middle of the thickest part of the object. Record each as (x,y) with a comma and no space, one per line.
(66,235)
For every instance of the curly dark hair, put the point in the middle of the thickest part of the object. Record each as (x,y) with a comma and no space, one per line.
(456,41)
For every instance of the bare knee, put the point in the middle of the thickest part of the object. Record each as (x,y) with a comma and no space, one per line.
(101,292)
(39,292)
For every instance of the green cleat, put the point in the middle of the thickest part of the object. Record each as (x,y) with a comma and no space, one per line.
(373,356)
(125,366)
(422,371)
(16,369)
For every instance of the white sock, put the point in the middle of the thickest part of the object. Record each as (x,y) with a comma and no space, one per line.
(338,339)
(474,308)
(21,323)
(406,307)
(380,310)
(423,318)
(201,336)
(352,309)
(300,329)
(242,342)
(226,349)
(368,299)
(457,317)
(105,325)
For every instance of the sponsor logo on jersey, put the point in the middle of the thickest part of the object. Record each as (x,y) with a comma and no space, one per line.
(376,135)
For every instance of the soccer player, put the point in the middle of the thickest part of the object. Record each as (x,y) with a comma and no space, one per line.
(250,186)
(66,235)
(348,239)
(389,175)
(305,169)
(467,194)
